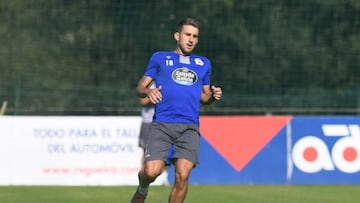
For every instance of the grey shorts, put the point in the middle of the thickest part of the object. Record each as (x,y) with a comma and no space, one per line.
(145,131)
(184,137)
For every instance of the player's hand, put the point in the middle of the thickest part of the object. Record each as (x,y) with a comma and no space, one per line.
(217,92)
(155,95)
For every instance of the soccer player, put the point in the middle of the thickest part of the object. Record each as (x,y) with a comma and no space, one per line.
(182,85)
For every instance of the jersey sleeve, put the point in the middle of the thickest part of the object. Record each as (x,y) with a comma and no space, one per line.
(152,67)
(207,77)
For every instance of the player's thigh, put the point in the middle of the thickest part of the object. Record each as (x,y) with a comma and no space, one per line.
(159,143)
(187,144)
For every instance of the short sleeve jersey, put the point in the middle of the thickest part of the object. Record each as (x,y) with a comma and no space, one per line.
(182,78)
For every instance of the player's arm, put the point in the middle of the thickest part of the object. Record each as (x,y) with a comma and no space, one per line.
(210,94)
(143,87)
(145,101)
(143,90)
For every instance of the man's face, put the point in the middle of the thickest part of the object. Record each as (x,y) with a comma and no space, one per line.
(187,39)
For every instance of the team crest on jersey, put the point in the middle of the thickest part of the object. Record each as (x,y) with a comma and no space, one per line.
(199,62)
(184,76)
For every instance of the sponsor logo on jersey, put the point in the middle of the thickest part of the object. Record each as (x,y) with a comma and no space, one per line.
(184,76)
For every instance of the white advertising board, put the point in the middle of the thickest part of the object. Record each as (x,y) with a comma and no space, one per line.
(69,150)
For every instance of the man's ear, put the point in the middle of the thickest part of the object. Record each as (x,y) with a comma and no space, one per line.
(176,36)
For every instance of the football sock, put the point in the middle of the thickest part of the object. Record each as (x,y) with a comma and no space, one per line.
(144,190)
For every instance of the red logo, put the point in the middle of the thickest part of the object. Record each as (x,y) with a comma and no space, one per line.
(239,138)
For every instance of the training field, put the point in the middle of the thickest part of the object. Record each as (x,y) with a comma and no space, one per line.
(197,194)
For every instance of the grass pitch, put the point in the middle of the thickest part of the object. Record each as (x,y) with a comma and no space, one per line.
(196,194)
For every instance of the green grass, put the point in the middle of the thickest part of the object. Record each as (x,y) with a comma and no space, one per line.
(196,194)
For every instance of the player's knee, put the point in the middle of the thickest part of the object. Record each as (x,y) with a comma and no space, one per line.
(152,174)
(182,176)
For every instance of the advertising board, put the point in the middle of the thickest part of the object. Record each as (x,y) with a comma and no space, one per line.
(50,150)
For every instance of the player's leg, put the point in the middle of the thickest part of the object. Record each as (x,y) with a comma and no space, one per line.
(186,154)
(156,152)
(151,171)
(147,175)
(179,190)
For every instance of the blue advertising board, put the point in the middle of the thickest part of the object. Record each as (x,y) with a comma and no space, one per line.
(278,150)
(325,150)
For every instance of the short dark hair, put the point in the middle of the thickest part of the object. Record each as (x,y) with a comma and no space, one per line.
(188,21)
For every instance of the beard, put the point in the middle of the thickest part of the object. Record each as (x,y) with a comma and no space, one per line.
(184,50)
